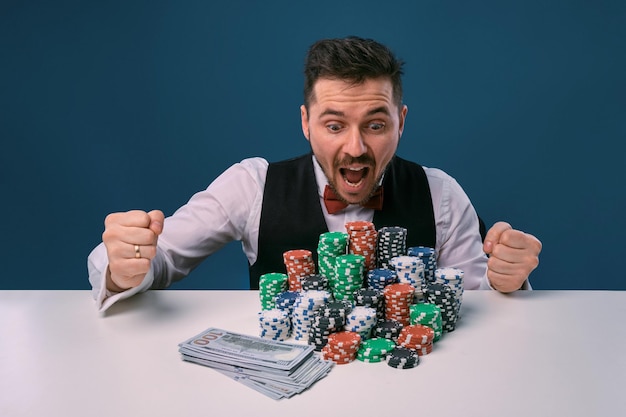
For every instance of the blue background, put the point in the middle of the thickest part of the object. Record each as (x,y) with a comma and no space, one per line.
(118,105)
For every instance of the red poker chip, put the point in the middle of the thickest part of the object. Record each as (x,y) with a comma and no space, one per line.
(362,239)
(344,339)
(418,330)
(342,347)
(416,347)
(299,263)
(416,336)
(398,298)
(359,225)
(398,311)
(399,289)
(296,254)
(340,352)
(338,361)
(421,350)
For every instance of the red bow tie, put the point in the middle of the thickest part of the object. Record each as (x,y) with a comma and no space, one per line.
(334,204)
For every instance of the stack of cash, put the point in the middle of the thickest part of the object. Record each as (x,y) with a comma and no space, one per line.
(276,369)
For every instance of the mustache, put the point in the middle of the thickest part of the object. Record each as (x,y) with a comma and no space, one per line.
(349,160)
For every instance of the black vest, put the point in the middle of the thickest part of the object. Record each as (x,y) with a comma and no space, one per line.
(292,217)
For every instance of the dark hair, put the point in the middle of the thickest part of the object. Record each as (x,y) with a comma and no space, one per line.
(352,59)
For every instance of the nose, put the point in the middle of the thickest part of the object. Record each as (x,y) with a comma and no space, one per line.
(354,144)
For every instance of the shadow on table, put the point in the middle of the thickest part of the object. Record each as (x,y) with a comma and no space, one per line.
(150,303)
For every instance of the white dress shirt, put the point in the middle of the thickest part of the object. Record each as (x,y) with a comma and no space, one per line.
(230,209)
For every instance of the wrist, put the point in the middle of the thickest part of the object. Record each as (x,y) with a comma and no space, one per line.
(111,285)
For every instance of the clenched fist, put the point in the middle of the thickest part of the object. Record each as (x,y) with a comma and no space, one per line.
(130,239)
(513,255)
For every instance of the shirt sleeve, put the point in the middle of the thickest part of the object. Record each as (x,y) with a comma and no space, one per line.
(97,266)
(228,209)
(459,244)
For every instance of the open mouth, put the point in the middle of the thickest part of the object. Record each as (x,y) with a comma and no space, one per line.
(354,176)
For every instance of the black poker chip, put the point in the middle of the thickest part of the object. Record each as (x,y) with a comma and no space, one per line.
(388,329)
(314,282)
(403,358)
(442,296)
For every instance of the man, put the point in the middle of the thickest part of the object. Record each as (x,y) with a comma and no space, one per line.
(353,118)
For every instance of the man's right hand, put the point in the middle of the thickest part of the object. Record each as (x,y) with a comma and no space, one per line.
(130,239)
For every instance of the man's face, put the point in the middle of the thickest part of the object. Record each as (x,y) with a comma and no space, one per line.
(354,131)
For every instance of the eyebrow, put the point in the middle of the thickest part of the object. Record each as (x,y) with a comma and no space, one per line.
(381,109)
(332,112)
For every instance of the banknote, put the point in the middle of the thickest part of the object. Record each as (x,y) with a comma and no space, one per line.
(246,349)
(275,387)
(274,368)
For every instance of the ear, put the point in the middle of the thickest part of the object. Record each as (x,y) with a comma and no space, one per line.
(403,113)
(304,116)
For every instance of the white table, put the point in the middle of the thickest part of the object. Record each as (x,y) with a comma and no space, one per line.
(537,353)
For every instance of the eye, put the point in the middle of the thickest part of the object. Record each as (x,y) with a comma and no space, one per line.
(376,126)
(333,127)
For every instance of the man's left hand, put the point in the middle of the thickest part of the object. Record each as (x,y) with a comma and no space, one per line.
(513,255)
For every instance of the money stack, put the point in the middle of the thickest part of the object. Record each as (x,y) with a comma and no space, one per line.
(274,368)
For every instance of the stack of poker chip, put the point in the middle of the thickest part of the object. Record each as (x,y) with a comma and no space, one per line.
(369,297)
(379,278)
(299,263)
(330,245)
(442,296)
(275,324)
(428,315)
(453,278)
(417,337)
(314,282)
(375,349)
(322,326)
(342,347)
(332,318)
(403,358)
(304,309)
(398,298)
(362,239)
(361,320)
(391,243)
(286,299)
(428,257)
(410,270)
(349,276)
(387,329)
(270,285)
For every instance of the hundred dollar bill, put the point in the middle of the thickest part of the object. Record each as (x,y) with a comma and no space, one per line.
(239,349)
(309,372)
(275,369)
(269,390)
